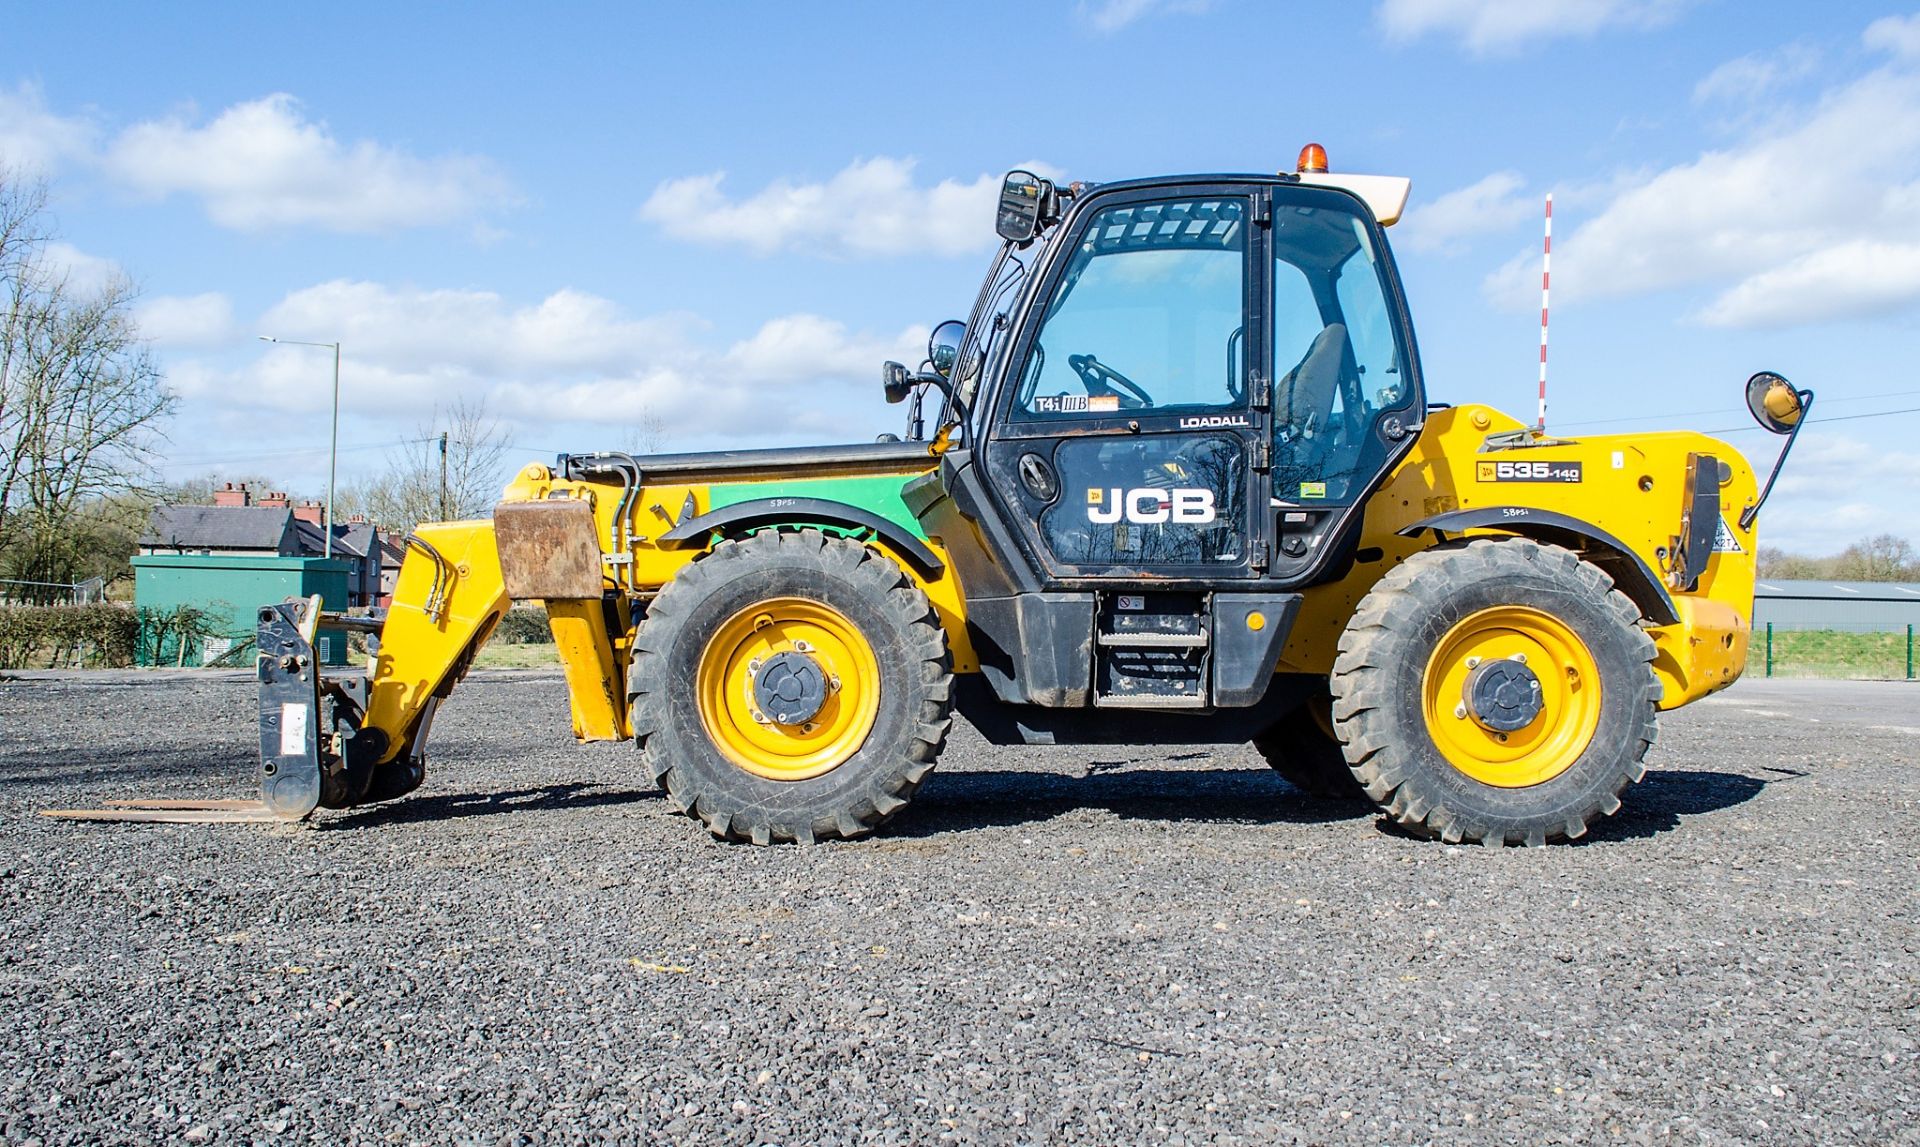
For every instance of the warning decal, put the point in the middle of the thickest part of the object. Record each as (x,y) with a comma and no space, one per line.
(1723,540)
(293,729)
(1076,403)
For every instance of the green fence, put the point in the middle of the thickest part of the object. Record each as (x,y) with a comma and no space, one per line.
(1830,650)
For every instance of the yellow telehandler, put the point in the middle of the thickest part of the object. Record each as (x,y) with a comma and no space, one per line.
(1185,485)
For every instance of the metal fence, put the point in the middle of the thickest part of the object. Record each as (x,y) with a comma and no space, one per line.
(1859,651)
(86,592)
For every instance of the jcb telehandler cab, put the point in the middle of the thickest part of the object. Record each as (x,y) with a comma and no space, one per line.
(1185,484)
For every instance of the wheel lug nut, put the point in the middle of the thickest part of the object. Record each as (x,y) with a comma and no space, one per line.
(1460,710)
(1473,663)
(1519,657)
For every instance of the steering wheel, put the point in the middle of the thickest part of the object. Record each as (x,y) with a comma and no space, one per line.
(1099,378)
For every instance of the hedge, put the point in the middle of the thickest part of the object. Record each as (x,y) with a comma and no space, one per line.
(58,636)
(524,625)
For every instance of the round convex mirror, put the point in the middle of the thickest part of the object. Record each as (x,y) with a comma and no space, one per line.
(943,347)
(1775,404)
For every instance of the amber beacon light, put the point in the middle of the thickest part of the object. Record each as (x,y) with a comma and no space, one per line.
(1313,158)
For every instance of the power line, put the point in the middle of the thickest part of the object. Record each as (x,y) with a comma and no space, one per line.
(1835,418)
(225,460)
(1721,409)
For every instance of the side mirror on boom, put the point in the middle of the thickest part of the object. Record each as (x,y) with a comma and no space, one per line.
(1781,408)
(1774,403)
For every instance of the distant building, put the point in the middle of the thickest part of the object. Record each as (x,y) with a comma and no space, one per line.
(1850,605)
(240,524)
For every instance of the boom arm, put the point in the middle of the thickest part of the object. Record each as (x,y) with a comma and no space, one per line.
(344,740)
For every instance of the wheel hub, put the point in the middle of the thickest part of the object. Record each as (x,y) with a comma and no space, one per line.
(790,688)
(1503,694)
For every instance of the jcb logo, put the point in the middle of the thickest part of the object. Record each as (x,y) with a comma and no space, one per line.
(1148,505)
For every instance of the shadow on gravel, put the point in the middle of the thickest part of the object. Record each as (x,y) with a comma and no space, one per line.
(955,802)
(1656,804)
(453,806)
(137,766)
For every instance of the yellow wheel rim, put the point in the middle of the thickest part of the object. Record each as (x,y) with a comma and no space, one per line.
(748,737)
(1570,697)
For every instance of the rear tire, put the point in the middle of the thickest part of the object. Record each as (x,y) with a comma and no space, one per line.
(1427,743)
(873,740)
(1304,749)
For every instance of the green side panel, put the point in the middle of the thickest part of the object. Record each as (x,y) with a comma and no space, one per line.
(230,588)
(879,494)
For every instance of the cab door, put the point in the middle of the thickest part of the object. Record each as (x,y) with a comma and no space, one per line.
(1131,421)
(1346,398)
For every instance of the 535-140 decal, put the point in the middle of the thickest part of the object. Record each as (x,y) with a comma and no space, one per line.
(1527,471)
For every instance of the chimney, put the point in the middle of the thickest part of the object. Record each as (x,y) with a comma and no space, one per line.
(232,495)
(311,512)
(272,499)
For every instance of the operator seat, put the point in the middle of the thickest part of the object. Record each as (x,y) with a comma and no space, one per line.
(1303,399)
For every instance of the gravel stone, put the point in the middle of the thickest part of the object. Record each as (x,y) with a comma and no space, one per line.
(1070,945)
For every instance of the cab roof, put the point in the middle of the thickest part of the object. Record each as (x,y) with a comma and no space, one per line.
(1384,195)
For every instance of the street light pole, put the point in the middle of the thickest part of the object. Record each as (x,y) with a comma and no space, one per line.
(333,448)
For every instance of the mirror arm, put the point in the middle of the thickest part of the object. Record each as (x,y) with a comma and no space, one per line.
(1751,512)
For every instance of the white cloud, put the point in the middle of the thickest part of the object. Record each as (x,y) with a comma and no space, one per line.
(1895,35)
(569,358)
(82,273)
(871,207)
(1817,216)
(1495,203)
(264,165)
(1110,16)
(1490,26)
(34,139)
(1754,77)
(1851,280)
(187,320)
(1820,505)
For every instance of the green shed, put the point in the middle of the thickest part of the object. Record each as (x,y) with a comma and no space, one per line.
(231,588)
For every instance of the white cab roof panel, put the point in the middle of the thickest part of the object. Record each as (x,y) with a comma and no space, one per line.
(1385,195)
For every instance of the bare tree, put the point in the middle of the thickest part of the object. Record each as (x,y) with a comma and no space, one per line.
(81,399)
(1774,562)
(453,469)
(647,436)
(1883,557)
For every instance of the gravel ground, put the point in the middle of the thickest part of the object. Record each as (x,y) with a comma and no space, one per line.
(1082,946)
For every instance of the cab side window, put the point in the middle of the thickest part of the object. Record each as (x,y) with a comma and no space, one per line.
(1336,359)
(1147,315)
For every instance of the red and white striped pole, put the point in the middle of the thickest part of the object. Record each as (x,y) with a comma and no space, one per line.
(1546,264)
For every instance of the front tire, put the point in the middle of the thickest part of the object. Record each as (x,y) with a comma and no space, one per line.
(790,687)
(1306,751)
(1499,691)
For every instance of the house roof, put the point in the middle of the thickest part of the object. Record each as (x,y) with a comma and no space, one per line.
(217,527)
(1783,588)
(355,536)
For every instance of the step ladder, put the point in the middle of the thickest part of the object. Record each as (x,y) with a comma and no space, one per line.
(1151,651)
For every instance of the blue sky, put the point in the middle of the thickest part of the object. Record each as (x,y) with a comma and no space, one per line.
(720,218)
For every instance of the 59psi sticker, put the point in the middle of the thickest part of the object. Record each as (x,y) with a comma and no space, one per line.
(1527,471)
